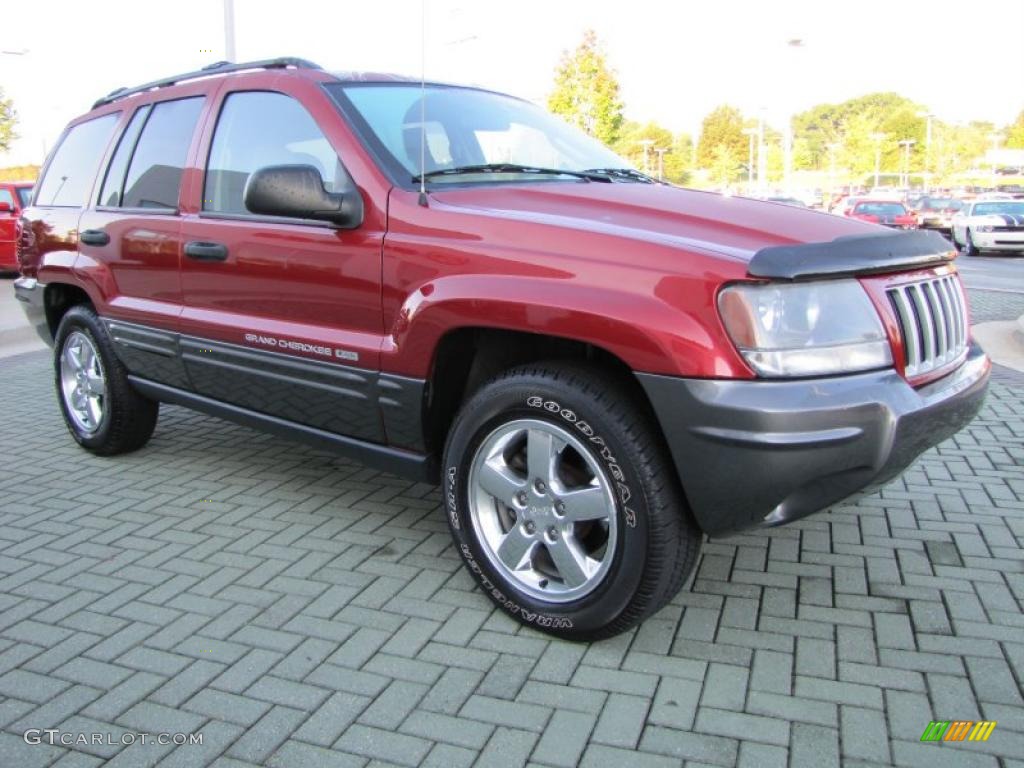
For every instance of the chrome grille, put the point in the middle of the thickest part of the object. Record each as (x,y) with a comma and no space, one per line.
(932,315)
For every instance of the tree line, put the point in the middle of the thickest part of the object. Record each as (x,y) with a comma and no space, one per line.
(846,142)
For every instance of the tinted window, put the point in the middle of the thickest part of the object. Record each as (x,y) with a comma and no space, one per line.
(256,129)
(6,197)
(74,164)
(113,185)
(25,195)
(154,176)
(466,126)
(986,209)
(881,209)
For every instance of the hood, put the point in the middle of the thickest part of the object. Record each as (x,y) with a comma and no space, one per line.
(703,221)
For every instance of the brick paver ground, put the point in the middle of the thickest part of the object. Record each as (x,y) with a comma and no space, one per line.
(298,610)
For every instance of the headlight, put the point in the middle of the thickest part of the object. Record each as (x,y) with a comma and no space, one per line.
(983,228)
(805,329)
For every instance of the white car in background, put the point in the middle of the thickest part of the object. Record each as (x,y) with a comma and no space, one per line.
(989,225)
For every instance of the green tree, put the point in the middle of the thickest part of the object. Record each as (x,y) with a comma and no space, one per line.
(725,164)
(676,157)
(722,127)
(1015,133)
(587,91)
(8,119)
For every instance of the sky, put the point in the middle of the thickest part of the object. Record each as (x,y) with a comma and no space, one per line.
(675,59)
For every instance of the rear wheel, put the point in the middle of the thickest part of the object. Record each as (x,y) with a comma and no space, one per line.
(101,409)
(563,503)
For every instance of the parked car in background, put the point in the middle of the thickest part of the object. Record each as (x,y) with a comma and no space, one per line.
(884,212)
(845,205)
(455,286)
(14,196)
(937,212)
(989,225)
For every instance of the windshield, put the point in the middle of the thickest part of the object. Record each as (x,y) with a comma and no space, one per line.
(984,209)
(880,209)
(941,204)
(468,127)
(24,195)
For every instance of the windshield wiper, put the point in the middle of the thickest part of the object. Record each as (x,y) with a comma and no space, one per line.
(623,174)
(509,168)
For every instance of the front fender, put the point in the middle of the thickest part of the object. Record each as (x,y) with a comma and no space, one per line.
(655,323)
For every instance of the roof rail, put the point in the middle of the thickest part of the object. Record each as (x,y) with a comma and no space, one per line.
(218,68)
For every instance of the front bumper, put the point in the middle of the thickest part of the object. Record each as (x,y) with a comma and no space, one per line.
(769,452)
(998,241)
(30,293)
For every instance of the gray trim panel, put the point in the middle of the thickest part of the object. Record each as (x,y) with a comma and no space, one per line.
(767,452)
(327,396)
(408,464)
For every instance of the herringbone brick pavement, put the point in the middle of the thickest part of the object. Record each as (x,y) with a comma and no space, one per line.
(298,610)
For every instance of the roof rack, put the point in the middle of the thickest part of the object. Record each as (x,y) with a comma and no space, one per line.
(218,68)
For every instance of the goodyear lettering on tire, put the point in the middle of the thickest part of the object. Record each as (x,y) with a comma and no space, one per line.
(601,448)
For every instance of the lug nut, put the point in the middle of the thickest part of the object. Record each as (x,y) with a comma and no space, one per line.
(552,532)
(539,486)
(530,527)
(521,498)
(560,508)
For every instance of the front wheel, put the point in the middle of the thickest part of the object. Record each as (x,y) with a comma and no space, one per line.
(563,503)
(969,247)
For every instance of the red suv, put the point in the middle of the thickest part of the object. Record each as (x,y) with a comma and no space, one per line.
(14,196)
(452,285)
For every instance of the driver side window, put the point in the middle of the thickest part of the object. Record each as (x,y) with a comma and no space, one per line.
(256,129)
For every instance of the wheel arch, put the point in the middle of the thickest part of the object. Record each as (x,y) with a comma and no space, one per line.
(467,357)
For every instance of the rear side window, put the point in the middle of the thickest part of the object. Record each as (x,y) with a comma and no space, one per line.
(256,129)
(113,185)
(154,174)
(6,197)
(73,167)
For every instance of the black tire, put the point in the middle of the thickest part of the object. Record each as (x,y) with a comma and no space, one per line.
(128,419)
(969,249)
(658,543)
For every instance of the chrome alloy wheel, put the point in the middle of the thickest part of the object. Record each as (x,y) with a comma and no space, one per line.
(543,510)
(82,382)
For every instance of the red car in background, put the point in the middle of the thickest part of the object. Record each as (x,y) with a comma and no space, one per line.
(14,195)
(884,212)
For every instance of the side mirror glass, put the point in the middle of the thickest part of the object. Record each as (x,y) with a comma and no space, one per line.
(297,191)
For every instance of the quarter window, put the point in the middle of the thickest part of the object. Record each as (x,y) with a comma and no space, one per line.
(6,197)
(113,185)
(154,174)
(74,164)
(257,129)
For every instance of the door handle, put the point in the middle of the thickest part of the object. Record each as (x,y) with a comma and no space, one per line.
(94,237)
(206,251)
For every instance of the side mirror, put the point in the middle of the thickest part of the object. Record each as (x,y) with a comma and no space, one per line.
(297,191)
(5,207)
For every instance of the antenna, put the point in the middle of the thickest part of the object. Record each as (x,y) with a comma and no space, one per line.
(423,103)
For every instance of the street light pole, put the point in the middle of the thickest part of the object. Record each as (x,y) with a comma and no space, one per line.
(877,138)
(646,144)
(832,147)
(229,30)
(787,134)
(750,133)
(928,116)
(906,144)
(762,161)
(660,151)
